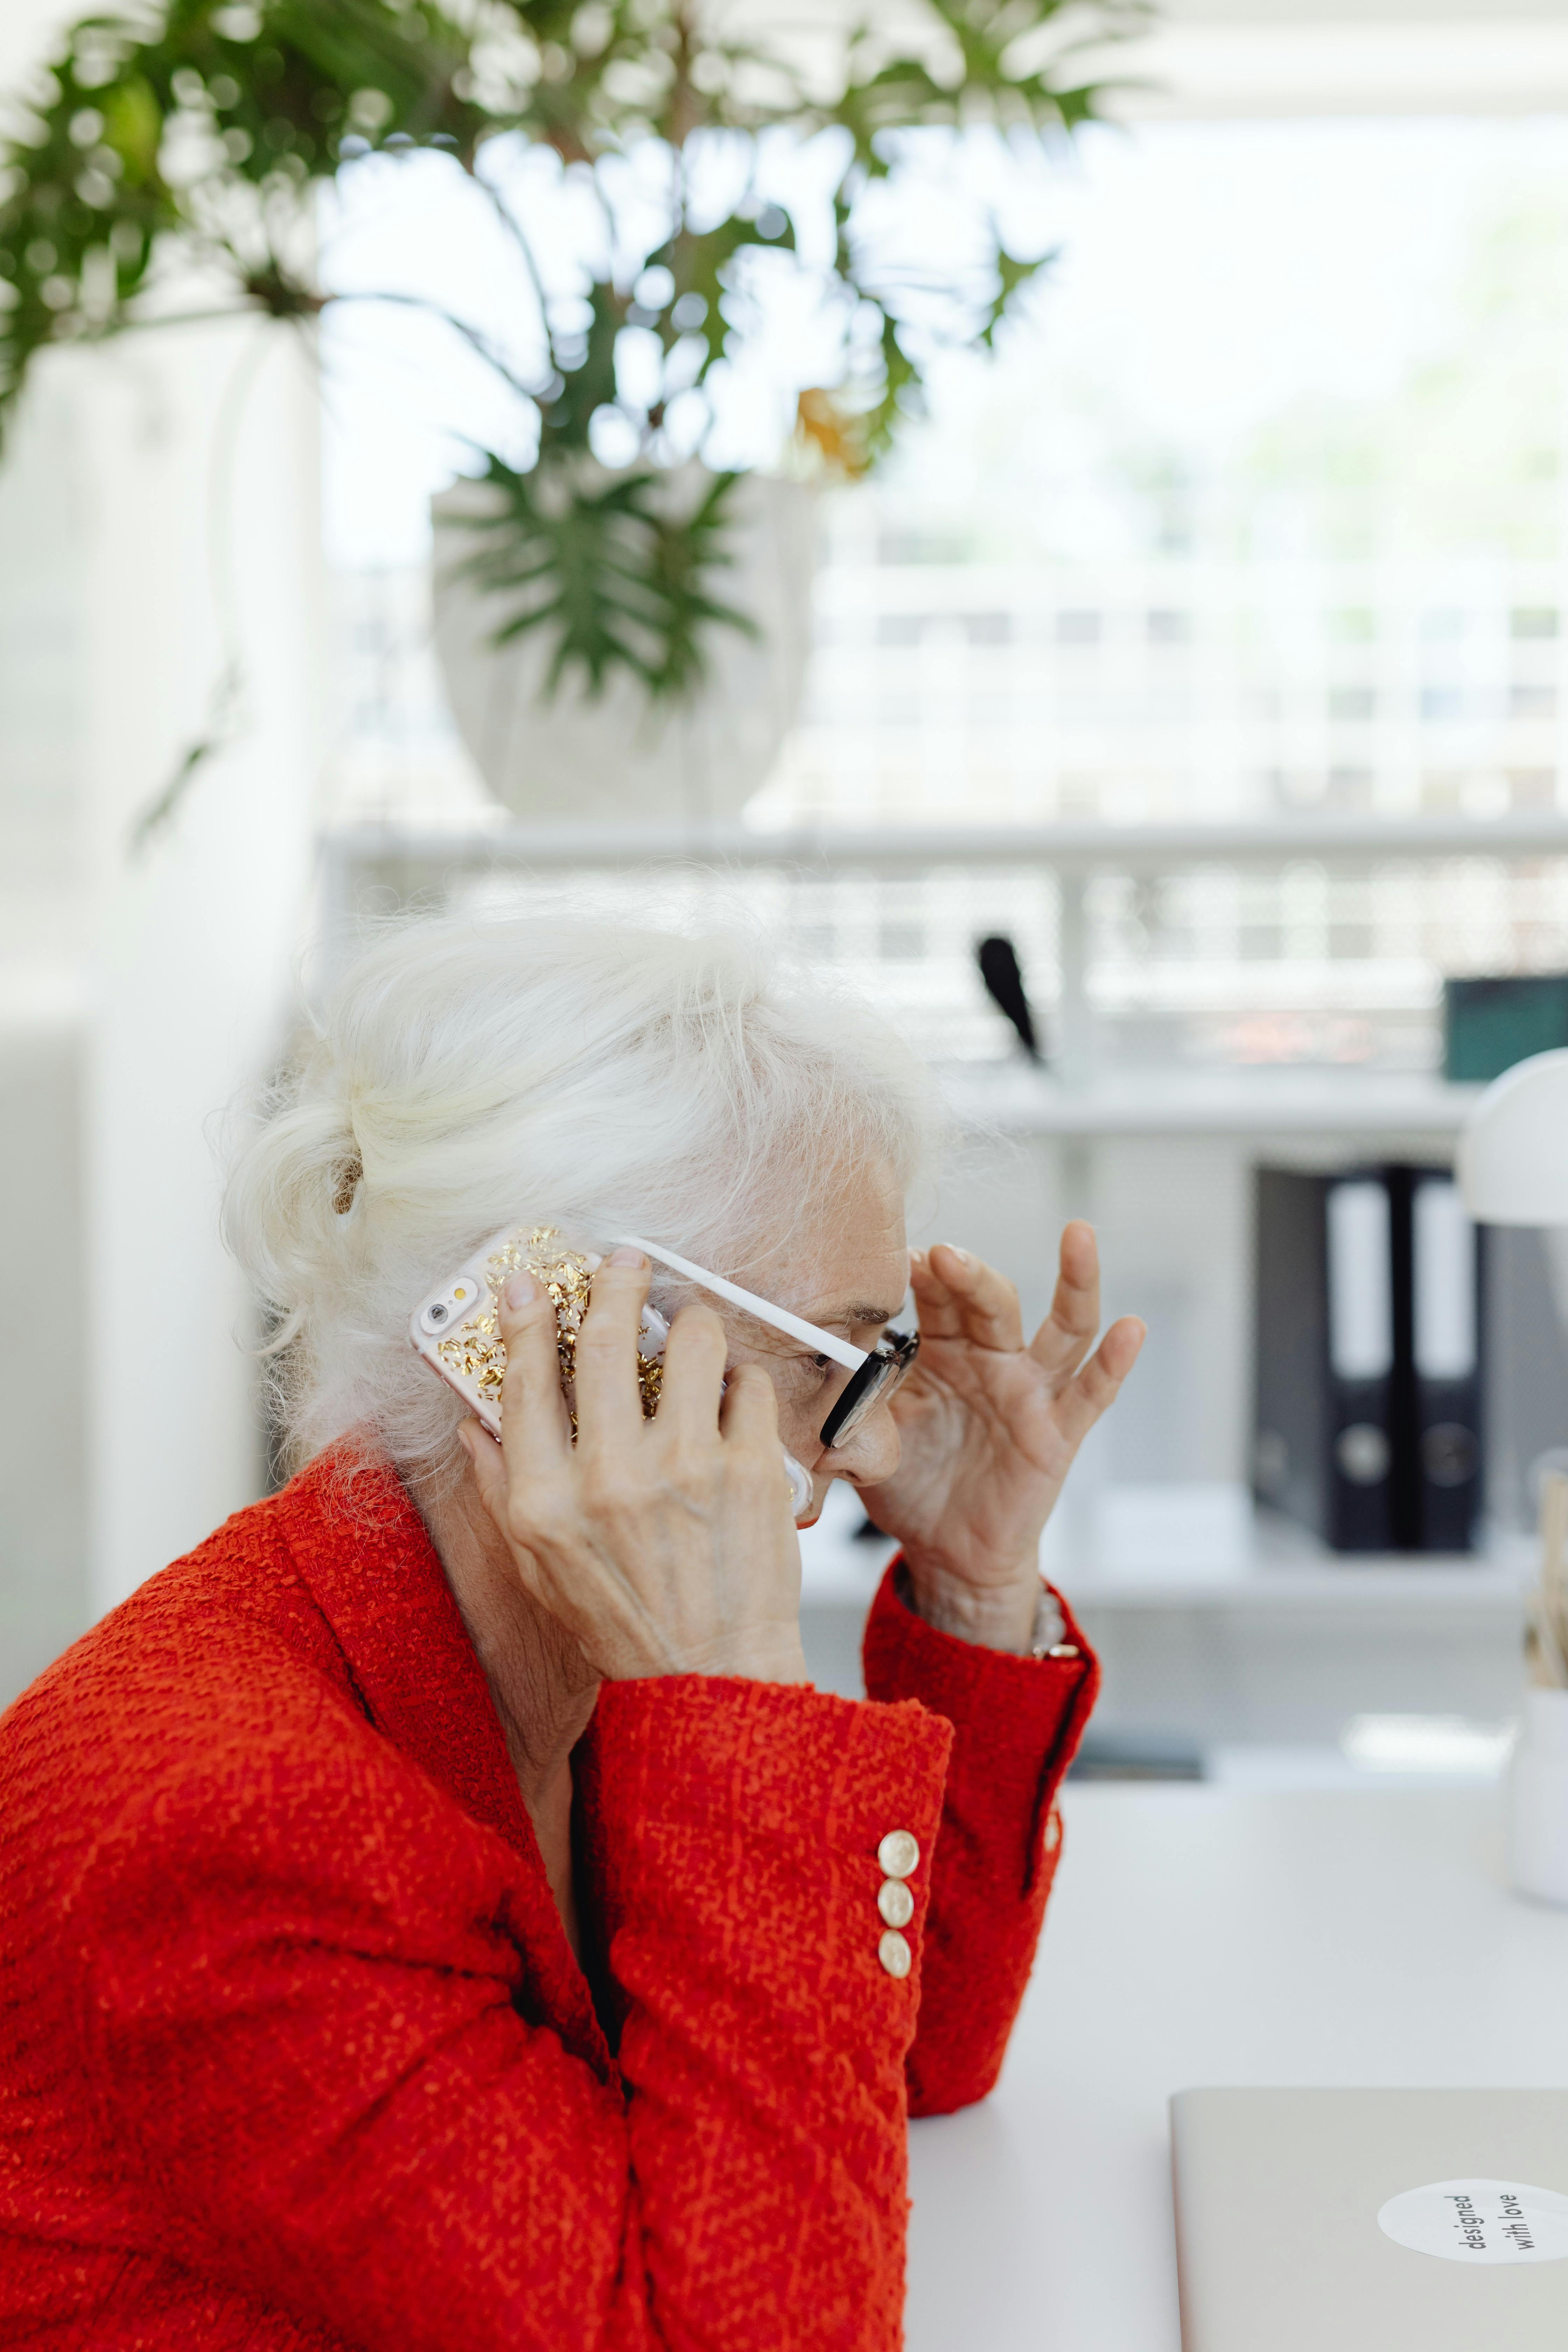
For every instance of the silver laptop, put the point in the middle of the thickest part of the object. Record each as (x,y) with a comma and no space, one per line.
(1371,2220)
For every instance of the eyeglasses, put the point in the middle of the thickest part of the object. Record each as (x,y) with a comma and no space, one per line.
(874,1372)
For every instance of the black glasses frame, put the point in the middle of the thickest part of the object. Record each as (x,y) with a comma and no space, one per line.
(885,1366)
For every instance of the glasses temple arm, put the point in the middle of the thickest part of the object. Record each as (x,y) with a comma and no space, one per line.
(779,1317)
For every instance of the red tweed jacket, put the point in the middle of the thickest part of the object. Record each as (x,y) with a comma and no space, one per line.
(294,2052)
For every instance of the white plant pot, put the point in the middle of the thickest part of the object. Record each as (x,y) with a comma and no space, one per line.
(1538,1799)
(569,759)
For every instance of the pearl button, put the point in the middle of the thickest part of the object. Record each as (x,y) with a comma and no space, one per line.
(898,1853)
(1063,1650)
(895,1903)
(894,1953)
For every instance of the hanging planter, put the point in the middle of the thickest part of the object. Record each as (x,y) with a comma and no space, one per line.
(549,747)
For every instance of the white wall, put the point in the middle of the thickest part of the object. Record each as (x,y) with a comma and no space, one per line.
(158,513)
(1241,58)
(158,510)
(43,1443)
(199,462)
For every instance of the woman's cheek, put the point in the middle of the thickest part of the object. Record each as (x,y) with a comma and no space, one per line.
(800,1435)
(797,1434)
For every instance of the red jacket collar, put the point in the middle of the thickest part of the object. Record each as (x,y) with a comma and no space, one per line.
(362,1549)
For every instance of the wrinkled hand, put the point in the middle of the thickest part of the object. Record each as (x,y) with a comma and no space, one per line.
(665,1547)
(990,1428)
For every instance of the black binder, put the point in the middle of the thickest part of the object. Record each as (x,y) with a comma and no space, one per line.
(1368,1358)
(1444,1388)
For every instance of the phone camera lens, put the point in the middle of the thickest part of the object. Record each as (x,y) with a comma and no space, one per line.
(438,1314)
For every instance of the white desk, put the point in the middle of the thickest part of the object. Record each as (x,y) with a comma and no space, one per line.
(1202,1935)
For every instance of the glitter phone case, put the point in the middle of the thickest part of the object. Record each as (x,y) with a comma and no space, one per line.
(456,1330)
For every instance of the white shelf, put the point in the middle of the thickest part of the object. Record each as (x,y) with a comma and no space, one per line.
(1020,1100)
(1069,848)
(1205,1547)
(1198,1548)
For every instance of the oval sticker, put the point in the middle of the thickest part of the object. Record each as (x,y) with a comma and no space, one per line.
(1479,2222)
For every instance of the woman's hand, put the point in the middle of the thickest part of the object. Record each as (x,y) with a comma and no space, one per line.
(990,1428)
(665,1547)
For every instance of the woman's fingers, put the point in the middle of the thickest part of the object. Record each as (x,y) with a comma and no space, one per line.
(749,1414)
(749,1419)
(1085,1399)
(940,1315)
(694,1358)
(533,1423)
(609,1401)
(960,1297)
(1065,1336)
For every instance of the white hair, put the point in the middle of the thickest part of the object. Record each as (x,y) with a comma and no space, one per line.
(577,1074)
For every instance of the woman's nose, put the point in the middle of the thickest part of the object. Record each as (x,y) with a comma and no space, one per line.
(870,1454)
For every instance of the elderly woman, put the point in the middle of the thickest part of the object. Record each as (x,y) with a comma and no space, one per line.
(440,1912)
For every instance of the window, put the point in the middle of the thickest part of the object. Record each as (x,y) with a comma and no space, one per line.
(1257,515)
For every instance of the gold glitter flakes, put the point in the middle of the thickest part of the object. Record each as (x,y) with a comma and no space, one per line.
(477,1351)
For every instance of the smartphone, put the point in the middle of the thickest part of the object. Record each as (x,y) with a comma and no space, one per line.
(455,1330)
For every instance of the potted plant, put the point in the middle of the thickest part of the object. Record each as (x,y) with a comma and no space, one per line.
(617,584)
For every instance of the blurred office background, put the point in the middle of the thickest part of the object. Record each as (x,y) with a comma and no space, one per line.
(1207,641)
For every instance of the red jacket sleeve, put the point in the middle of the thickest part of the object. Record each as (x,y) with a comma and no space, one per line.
(305,1998)
(1016,1722)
